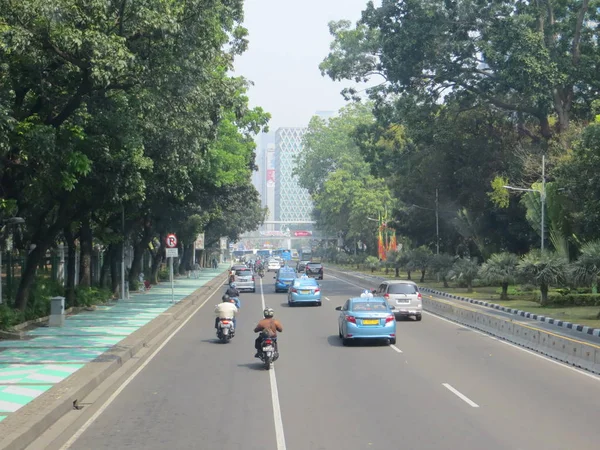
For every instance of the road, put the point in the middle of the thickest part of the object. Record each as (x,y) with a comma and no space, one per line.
(442,386)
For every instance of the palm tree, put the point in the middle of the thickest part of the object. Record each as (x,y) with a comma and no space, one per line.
(420,259)
(441,265)
(467,270)
(587,267)
(500,268)
(545,270)
(372,262)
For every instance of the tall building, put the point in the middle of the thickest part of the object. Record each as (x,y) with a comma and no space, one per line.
(291,201)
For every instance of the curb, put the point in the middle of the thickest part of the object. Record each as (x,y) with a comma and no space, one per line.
(558,323)
(24,426)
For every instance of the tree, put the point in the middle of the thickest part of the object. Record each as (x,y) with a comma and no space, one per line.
(544,270)
(441,265)
(465,269)
(420,259)
(531,59)
(372,262)
(500,268)
(586,269)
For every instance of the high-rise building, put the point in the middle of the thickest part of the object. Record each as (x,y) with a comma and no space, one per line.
(291,201)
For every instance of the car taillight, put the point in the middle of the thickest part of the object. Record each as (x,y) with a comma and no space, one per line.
(252,277)
(419,296)
(317,290)
(389,319)
(225,322)
(294,290)
(351,319)
(386,296)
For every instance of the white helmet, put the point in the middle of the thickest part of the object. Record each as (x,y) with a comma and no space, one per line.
(268,312)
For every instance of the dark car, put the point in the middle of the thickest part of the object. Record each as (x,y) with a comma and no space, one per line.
(301,266)
(314,269)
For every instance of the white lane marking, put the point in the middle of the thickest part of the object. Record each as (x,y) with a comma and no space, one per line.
(279,435)
(326,298)
(461,396)
(531,352)
(393,347)
(539,355)
(106,404)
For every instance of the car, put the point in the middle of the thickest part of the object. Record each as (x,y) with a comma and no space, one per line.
(301,266)
(244,280)
(366,318)
(314,269)
(273,265)
(284,278)
(304,290)
(404,295)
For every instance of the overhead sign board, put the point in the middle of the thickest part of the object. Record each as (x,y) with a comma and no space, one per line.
(302,233)
(172,252)
(171,240)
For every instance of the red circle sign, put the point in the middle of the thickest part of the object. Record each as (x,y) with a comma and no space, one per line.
(171,240)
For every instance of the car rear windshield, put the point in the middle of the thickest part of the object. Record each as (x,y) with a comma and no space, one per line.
(314,265)
(243,272)
(402,289)
(370,306)
(303,282)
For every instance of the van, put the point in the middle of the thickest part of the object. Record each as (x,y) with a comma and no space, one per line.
(404,296)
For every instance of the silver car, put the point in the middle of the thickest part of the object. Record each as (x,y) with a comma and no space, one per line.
(404,296)
(244,280)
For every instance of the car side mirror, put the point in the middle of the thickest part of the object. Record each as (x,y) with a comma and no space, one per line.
(392,307)
(338,308)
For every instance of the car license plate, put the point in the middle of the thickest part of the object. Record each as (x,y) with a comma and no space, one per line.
(305,292)
(399,302)
(371,322)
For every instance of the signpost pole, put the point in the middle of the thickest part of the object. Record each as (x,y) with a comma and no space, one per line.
(172,285)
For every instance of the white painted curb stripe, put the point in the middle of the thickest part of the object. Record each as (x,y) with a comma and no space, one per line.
(461,396)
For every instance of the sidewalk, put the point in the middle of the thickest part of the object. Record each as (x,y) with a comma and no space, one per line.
(30,367)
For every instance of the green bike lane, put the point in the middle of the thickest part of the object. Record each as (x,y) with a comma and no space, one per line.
(47,356)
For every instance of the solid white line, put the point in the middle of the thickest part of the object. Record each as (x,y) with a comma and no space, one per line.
(326,298)
(396,348)
(518,347)
(539,355)
(461,396)
(279,435)
(106,404)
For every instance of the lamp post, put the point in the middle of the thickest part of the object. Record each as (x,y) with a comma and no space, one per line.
(542,198)
(4,222)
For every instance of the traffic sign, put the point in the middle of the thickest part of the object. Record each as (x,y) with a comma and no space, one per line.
(171,240)
(172,252)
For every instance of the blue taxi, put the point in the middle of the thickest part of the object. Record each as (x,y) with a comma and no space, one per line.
(284,278)
(366,317)
(304,290)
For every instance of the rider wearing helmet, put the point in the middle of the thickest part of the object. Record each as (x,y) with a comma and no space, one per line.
(232,290)
(269,324)
(226,310)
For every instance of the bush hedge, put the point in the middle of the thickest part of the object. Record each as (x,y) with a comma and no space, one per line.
(572,299)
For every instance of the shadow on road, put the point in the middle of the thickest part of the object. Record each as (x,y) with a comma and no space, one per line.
(336,341)
(253,366)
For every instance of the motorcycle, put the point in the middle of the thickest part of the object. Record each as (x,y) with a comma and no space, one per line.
(261,272)
(269,353)
(225,330)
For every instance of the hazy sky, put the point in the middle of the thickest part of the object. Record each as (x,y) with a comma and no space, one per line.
(288,40)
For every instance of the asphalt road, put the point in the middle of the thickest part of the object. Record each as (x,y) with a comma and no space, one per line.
(443,386)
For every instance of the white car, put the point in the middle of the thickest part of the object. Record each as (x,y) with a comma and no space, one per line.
(404,296)
(273,265)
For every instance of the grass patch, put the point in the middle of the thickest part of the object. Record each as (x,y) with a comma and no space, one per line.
(582,315)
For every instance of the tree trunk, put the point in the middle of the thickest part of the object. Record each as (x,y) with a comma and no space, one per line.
(105,265)
(28,275)
(544,297)
(408,273)
(114,270)
(470,286)
(422,276)
(445,282)
(71,261)
(85,263)
(504,295)
(138,252)
(156,261)
(397,269)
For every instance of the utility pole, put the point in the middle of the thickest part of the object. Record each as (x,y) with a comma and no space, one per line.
(543,197)
(437,222)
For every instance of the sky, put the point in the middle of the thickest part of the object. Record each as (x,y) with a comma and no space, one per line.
(288,39)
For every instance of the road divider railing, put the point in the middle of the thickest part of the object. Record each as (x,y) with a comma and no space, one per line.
(569,350)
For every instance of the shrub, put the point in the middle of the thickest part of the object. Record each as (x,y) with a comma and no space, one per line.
(10,317)
(91,296)
(556,300)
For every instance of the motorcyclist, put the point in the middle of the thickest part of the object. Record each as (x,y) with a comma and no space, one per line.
(269,324)
(226,310)
(232,290)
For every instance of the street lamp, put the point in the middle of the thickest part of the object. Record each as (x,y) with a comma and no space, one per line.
(5,222)
(542,196)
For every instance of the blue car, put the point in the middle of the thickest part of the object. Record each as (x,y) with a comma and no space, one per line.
(284,278)
(366,318)
(304,290)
